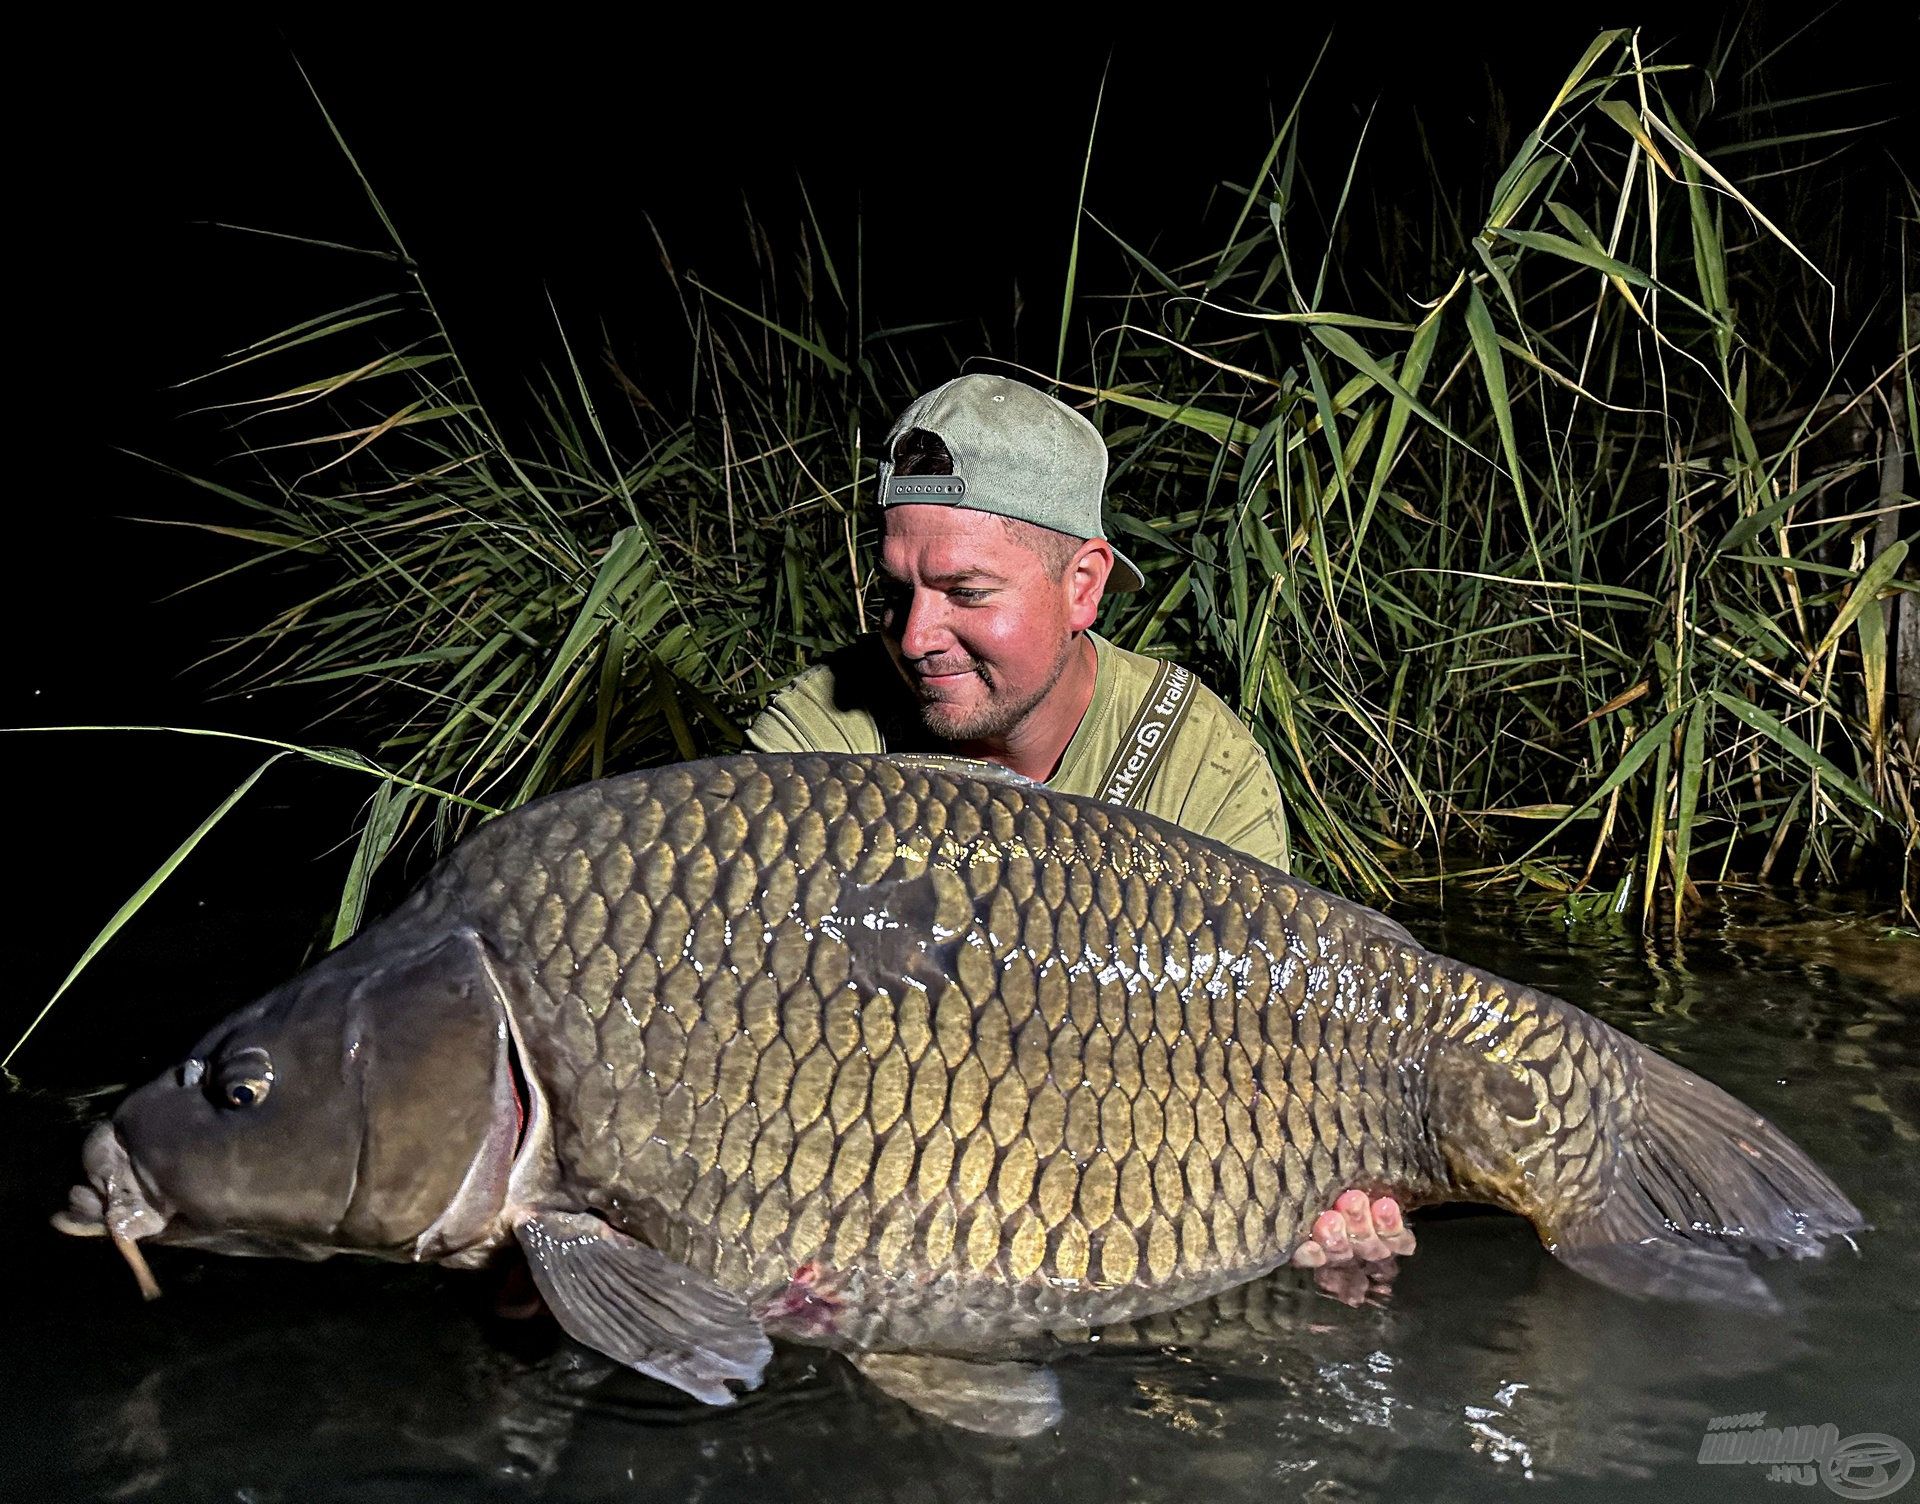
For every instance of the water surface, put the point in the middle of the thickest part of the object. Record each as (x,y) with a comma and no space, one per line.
(1488,1372)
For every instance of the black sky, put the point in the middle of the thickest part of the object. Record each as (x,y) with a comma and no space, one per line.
(526,162)
(523,164)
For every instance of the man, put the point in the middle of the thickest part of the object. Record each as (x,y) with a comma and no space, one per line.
(993,564)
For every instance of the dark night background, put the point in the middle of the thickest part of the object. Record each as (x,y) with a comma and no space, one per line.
(520,162)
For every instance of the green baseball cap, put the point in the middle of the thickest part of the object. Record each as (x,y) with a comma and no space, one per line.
(1016,453)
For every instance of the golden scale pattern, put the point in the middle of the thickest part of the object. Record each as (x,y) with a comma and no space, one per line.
(1098,1063)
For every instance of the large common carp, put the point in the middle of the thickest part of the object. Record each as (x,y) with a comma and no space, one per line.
(914,1059)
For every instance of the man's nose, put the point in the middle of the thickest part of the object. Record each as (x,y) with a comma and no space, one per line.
(924,631)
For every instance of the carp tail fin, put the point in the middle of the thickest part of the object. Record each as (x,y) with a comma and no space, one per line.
(1695,1180)
(1635,1171)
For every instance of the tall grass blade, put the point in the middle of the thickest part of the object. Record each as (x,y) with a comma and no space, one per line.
(1073,244)
(139,898)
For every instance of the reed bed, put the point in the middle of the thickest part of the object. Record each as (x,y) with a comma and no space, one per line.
(1551,530)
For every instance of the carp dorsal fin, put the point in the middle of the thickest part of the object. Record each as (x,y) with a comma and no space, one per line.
(963,767)
(1000,1399)
(1379,927)
(635,1304)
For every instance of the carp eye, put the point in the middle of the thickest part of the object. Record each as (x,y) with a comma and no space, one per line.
(245,1079)
(249,1093)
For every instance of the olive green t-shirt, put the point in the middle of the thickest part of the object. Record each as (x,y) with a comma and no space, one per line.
(1213,779)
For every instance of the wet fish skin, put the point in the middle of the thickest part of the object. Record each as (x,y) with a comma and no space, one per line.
(909,1026)
(913,1057)
(988,1059)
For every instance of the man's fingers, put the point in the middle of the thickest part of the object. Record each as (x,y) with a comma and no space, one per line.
(1356,1231)
(1391,1229)
(1356,1213)
(1328,1245)
(1330,1232)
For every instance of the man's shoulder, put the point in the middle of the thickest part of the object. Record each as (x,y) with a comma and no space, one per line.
(1213,777)
(1216,720)
(833,706)
(1208,716)
(855,676)
(816,686)
(1127,667)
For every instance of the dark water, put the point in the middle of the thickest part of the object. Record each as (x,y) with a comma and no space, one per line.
(1489,1371)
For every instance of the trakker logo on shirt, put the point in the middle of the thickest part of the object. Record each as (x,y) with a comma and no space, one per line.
(1154,728)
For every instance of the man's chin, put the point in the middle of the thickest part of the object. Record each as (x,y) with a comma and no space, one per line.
(973,710)
(949,724)
(966,724)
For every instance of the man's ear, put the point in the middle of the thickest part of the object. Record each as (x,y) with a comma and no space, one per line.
(1085,581)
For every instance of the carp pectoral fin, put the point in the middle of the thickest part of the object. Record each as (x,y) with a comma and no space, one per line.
(635,1304)
(1001,1399)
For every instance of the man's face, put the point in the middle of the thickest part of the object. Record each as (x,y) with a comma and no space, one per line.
(974,618)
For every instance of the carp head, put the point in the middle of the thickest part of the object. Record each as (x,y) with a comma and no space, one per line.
(373,1104)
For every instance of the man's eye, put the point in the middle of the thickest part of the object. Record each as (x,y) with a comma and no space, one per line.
(967,593)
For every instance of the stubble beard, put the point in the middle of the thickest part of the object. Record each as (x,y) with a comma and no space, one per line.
(992,721)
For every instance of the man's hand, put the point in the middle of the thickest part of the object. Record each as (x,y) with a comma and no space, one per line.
(1355,1248)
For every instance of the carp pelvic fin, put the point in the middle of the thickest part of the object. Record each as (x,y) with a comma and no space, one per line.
(999,1399)
(633,1303)
(1699,1178)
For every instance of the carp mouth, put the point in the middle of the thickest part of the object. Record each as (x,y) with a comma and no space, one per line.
(113,1204)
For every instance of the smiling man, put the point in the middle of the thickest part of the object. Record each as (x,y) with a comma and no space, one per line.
(993,564)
